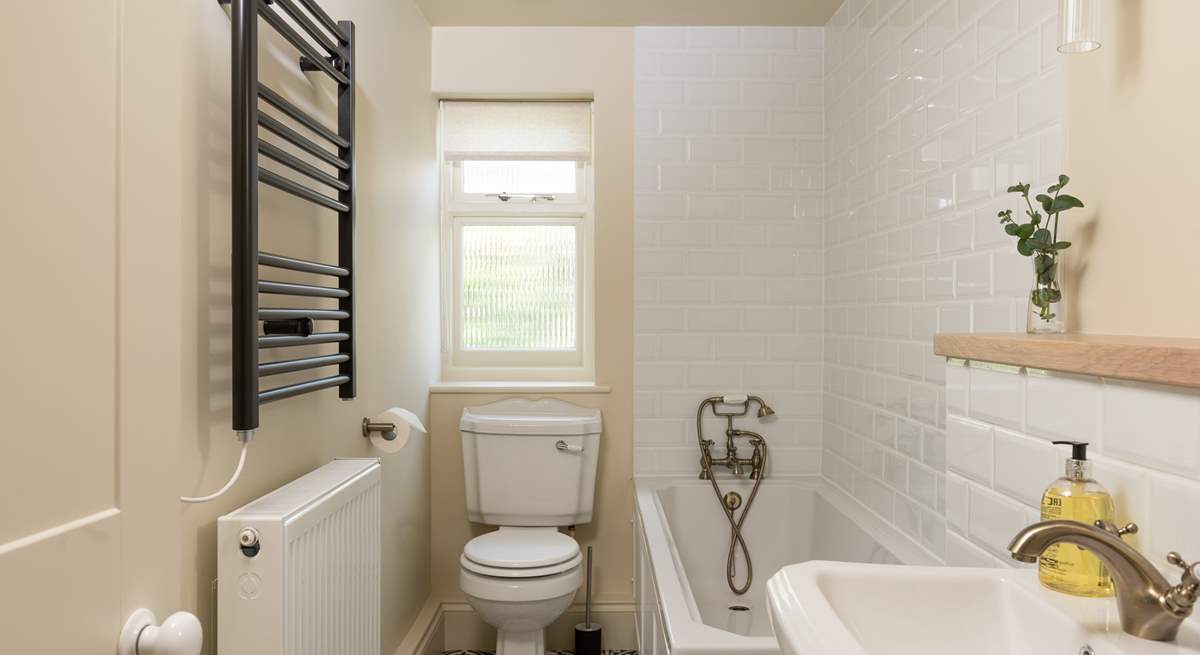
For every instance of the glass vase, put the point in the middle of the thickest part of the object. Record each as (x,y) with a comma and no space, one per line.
(1046,306)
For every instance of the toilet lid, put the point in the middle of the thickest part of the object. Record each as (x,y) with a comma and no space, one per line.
(521,548)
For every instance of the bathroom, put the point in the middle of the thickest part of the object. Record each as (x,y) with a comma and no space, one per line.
(778,224)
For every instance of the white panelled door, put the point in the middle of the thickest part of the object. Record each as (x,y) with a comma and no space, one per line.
(89,387)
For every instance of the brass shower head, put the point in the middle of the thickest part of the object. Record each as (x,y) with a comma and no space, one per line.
(765,411)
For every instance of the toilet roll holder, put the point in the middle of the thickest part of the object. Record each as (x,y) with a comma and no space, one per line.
(385,430)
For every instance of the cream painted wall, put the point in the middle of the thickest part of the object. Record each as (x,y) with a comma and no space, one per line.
(120,172)
(557,62)
(396,286)
(1132,130)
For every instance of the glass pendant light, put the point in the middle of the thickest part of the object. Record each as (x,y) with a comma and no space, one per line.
(1078,26)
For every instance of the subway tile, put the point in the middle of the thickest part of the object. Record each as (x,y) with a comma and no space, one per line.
(972,276)
(997,26)
(1016,163)
(702,149)
(742,178)
(740,66)
(993,519)
(961,552)
(969,449)
(768,38)
(680,64)
(959,54)
(1152,425)
(1024,466)
(1012,273)
(1040,103)
(1062,406)
(686,121)
(1172,517)
(994,316)
(996,123)
(956,503)
(1130,488)
(714,262)
(658,93)
(997,394)
(1018,62)
(704,38)
(741,121)
(799,66)
(977,88)
(712,94)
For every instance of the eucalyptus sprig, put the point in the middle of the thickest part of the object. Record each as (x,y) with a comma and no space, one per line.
(1038,238)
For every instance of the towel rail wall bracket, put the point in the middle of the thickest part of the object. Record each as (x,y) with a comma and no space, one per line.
(325,47)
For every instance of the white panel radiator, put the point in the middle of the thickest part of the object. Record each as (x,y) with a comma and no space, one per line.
(298,568)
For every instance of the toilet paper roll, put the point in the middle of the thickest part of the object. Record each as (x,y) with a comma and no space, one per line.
(405,422)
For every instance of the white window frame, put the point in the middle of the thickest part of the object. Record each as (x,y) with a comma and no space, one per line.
(459,209)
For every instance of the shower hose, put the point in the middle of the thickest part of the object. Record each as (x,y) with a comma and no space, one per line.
(736,541)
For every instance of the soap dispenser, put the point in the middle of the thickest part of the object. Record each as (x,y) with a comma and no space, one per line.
(1065,567)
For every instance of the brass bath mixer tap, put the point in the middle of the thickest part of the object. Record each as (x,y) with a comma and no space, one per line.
(731,461)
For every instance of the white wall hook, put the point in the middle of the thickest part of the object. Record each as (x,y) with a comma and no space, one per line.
(179,634)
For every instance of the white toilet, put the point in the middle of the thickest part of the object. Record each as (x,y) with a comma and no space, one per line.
(530,467)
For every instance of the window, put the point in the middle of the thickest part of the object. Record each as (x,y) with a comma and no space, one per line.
(517,241)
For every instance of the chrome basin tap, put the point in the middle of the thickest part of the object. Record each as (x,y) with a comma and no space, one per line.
(1149,605)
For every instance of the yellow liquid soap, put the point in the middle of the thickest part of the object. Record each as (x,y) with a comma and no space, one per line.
(1065,567)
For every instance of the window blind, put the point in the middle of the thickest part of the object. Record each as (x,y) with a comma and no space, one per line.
(503,131)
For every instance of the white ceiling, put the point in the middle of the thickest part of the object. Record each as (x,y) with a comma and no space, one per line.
(627,12)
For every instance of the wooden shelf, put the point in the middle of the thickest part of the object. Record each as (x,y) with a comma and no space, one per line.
(1146,359)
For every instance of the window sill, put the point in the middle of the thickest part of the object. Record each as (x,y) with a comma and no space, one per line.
(519,387)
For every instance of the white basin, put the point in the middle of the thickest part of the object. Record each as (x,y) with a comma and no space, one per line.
(837,608)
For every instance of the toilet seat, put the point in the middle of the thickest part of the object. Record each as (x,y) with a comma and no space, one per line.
(516,552)
(520,573)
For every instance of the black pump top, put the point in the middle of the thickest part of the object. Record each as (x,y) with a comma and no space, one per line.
(1078,449)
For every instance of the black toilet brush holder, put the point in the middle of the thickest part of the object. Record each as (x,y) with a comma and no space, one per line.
(587,634)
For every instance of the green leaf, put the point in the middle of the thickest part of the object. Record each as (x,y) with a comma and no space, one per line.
(1042,234)
(1016,188)
(1062,181)
(1026,230)
(1063,203)
(1023,247)
(1046,202)
(1011,229)
(1053,295)
(1062,245)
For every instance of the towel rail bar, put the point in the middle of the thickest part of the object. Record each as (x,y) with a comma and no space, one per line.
(295,113)
(293,289)
(302,265)
(279,393)
(302,364)
(299,190)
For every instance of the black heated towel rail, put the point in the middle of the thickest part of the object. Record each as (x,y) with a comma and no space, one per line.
(323,157)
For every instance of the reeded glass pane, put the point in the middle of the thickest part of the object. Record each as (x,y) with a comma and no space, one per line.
(518,176)
(518,287)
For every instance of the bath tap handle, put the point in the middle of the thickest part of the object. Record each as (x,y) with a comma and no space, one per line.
(564,447)
(1129,528)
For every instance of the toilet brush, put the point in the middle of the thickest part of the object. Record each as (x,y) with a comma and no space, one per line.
(587,634)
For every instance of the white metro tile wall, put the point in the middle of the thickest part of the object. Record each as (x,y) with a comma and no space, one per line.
(729,237)
(1145,447)
(932,109)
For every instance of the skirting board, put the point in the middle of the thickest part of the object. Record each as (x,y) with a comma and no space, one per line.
(448,624)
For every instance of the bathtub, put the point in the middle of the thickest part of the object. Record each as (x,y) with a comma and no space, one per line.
(683,603)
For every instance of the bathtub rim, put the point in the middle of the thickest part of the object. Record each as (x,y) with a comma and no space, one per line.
(684,630)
